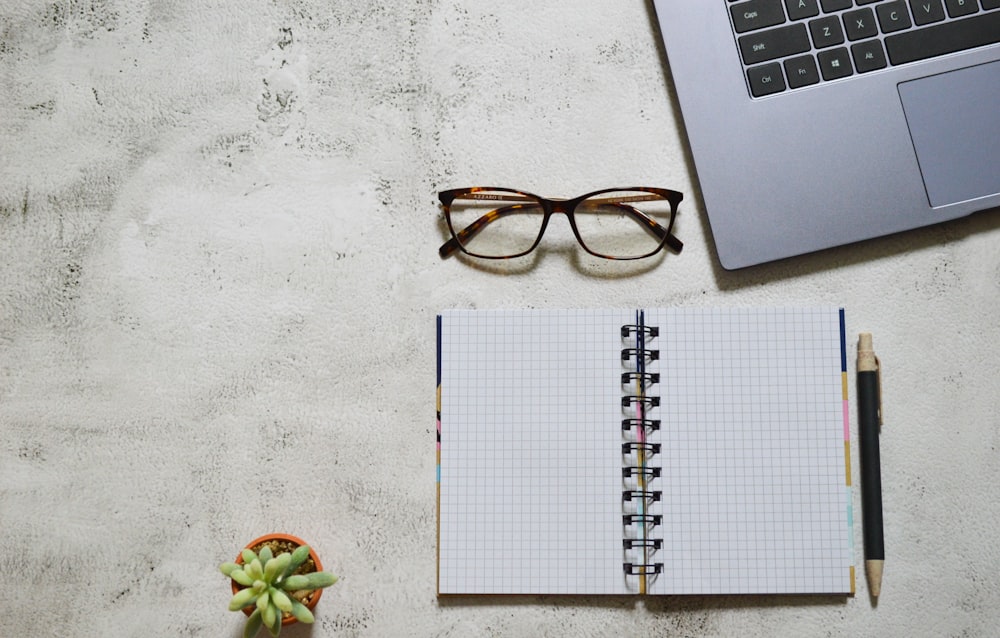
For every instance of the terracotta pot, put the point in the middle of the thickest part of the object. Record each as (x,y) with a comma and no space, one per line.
(310,602)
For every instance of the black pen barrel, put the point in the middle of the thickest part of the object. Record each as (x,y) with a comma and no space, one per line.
(871,476)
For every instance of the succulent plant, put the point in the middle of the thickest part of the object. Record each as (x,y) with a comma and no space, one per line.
(270,583)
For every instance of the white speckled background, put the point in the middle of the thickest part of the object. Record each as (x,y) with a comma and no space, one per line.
(218,283)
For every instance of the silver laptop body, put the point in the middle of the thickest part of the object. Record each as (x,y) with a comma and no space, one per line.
(817,123)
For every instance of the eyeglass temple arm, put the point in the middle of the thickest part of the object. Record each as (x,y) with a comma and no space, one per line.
(662,233)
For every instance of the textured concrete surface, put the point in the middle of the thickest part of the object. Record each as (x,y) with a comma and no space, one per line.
(218,283)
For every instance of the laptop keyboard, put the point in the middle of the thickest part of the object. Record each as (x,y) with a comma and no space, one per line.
(790,44)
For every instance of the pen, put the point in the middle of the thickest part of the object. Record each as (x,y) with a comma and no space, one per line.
(870,418)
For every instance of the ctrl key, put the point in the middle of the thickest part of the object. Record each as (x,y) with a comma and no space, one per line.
(765,79)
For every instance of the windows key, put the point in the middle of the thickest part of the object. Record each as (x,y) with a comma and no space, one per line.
(835,63)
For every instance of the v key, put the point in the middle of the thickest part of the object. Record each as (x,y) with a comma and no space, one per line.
(927,11)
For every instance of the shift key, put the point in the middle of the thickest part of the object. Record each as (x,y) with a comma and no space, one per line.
(774,43)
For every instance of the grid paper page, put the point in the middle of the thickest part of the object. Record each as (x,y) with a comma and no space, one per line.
(531,465)
(753,452)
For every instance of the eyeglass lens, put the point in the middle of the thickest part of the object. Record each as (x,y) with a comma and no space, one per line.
(616,223)
(496,223)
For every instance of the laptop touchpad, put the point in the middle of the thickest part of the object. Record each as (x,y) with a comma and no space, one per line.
(956,132)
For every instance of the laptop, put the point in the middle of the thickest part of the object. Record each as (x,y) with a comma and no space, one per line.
(817,123)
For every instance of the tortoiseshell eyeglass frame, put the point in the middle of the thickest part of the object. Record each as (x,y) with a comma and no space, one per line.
(564,206)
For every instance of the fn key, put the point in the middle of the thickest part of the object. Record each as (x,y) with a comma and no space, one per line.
(766,79)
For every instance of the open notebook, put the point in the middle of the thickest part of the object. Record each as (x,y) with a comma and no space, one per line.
(658,451)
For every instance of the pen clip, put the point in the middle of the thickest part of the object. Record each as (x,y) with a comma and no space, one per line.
(878,376)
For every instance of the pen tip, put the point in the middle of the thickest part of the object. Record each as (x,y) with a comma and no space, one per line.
(874,569)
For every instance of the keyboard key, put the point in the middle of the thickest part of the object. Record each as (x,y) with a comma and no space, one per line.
(991,4)
(860,24)
(826,32)
(835,5)
(893,16)
(959,8)
(801,71)
(774,43)
(765,79)
(927,11)
(756,14)
(868,56)
(799,9)
(835,63)
(944,38)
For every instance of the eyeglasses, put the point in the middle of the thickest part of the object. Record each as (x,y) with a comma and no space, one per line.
(615,223)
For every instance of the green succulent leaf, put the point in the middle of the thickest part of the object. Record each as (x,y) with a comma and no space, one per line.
(254,623)
(315,580)
(275,626)
(255,569)
(281,599)
(241,577)
(299,556)
(259,587)
(276,567)
(264,601)
(295,583)
(302,613)
(271,617)
(242,598)
(265,554)
(319,580)
(248,556)
(228,568)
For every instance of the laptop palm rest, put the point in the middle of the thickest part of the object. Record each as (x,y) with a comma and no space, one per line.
(957,141)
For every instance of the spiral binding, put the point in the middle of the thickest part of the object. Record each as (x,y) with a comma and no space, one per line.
(634,329)
(651,425)
(633,543)
(634,446)
(628,353)
(641,470)
(642,569)
(645,377)
(646,495)
(648,402)
(642,519)
(638,475)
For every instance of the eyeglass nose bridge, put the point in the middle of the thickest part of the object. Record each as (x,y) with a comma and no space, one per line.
(563,206)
